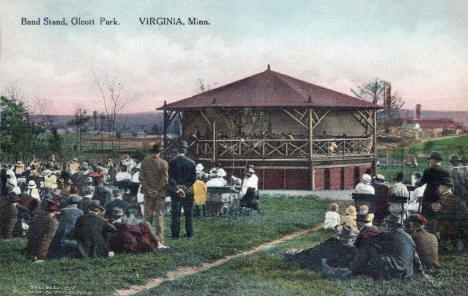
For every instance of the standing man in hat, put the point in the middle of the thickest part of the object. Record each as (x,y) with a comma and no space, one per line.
(182,175)
(41,232)
(431,177)
(8,215)
(154,177)
(460,184)
(464,169)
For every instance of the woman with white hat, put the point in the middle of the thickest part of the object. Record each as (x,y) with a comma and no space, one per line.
(365,185)
(32,190)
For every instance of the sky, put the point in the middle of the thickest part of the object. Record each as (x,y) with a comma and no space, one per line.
(421,47)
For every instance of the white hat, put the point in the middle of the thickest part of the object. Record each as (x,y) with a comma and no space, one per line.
(366,178)
(46,172)
(221,172)
(32,184)
(199,167)
(16,190)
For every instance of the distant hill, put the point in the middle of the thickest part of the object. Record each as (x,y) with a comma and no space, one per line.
(125,123)
(144,121)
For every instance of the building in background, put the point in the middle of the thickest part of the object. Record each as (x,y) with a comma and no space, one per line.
(434,127)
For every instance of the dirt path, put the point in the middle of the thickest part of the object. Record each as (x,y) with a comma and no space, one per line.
(188,270)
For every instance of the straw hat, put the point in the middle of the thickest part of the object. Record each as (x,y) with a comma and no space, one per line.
(351,210)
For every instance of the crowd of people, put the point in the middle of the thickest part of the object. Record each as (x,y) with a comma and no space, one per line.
(81,210)
(70,211)
(388,241)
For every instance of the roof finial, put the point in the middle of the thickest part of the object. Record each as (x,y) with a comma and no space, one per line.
(165,102)
(268,67)
(309,100)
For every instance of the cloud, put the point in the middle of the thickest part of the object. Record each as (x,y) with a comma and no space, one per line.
(423,54)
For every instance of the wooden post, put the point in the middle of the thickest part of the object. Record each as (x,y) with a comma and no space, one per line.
(311,149)
(374,142)
(214,141)
(165,129)
(181,125)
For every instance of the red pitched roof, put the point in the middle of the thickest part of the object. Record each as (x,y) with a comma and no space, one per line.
(436,123)
(270,89)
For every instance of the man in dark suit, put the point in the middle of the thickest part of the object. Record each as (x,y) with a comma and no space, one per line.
(432,177)
(63,244)
(92,232)
(182,175)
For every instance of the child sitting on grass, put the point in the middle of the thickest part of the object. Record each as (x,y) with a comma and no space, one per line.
(332,218)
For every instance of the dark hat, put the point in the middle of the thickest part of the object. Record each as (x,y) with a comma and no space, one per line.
(435,156)
(157,146)
(75,199)
(117,192)
(419,219)
(52,206)
(393,219)
(117,212)
(94,206)
(455,158)
(399,176)
(183,144)
(13,197)
(446,180)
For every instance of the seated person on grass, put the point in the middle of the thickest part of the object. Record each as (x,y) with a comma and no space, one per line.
(41,232)
(117,202)
(130,238)
(64,244)
(427,245)
(332,218)
(92,232)
(451,216)
(390,255)
(8,215)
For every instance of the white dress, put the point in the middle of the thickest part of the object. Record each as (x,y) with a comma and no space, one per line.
(331,220)
(249,182)
(364,188)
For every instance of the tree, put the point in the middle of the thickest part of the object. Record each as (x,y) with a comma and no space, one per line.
(114,101)
(79,120)
(55,142)
(95,118)
(41,108)
(18,134)
(201,88)
(379,92)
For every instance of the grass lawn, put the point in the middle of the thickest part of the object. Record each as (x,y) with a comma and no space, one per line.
(447,147)
(214,239)
(267,273)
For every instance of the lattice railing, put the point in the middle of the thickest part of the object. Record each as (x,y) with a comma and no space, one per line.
(278,149)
